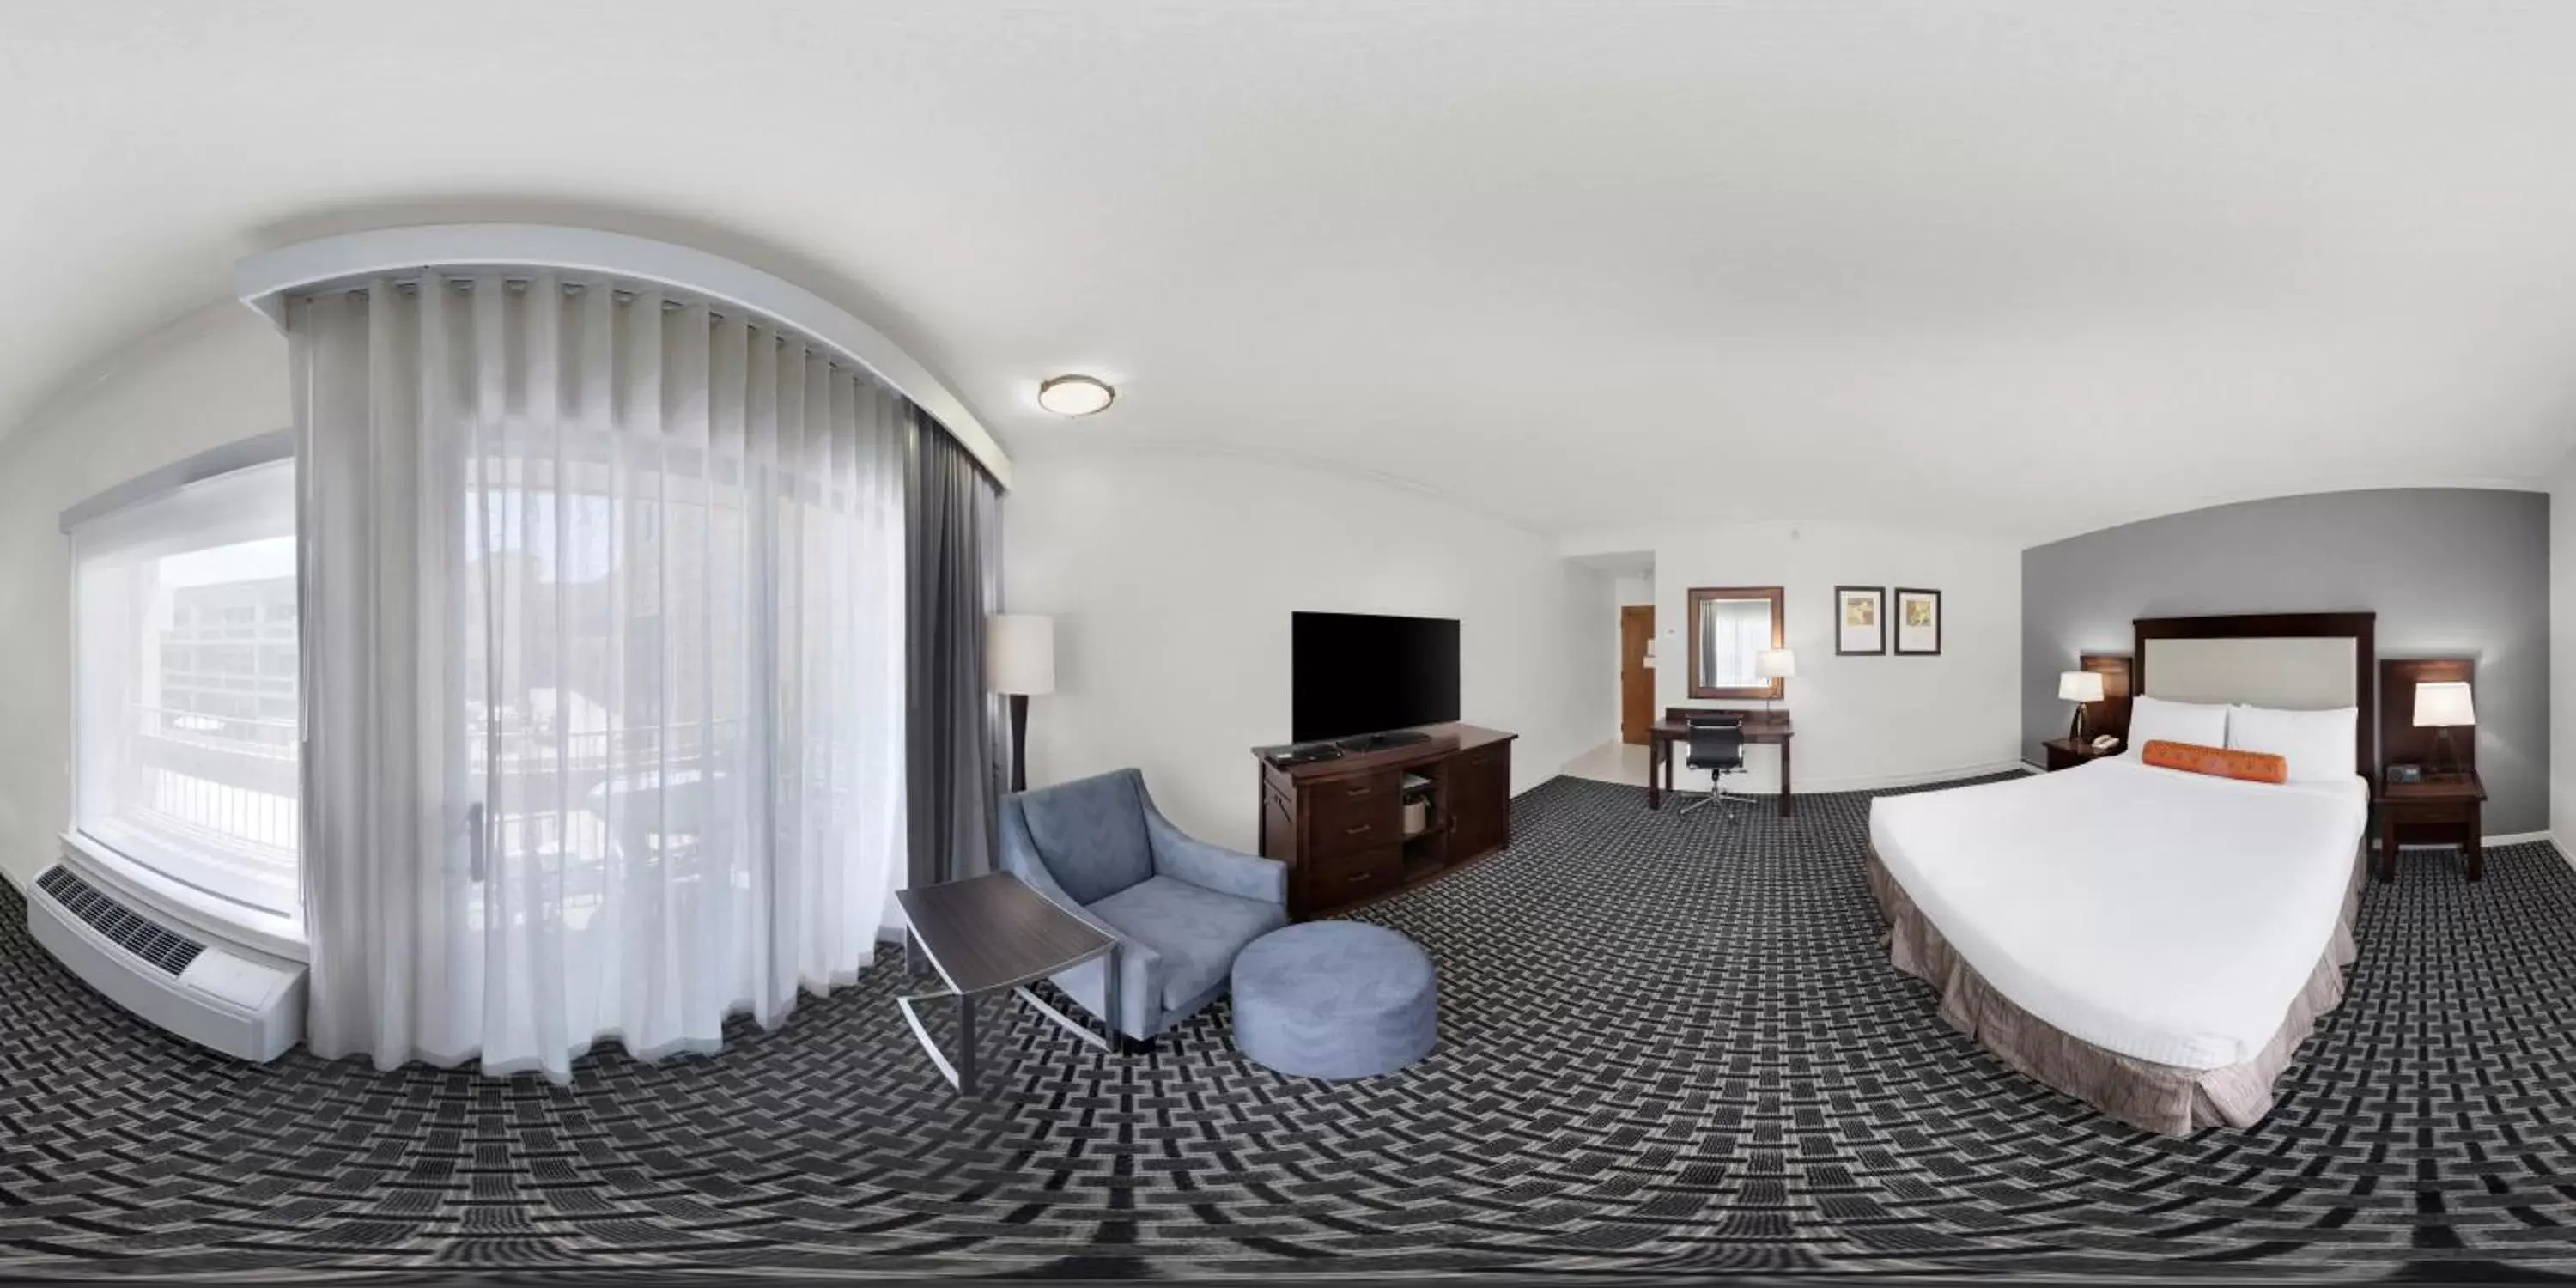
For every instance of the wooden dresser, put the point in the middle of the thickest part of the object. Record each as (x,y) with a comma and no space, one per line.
(1339,825)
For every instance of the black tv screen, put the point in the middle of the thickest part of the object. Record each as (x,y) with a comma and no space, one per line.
(1362,673)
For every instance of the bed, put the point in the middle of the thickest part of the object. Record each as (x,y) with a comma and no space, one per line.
(2152,942)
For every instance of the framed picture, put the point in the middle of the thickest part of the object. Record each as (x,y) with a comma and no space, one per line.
(1860,619)
(1918,623)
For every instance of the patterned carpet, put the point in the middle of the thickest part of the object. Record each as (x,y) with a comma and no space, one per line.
(1670,1045)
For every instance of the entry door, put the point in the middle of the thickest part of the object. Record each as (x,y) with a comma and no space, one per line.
(1636,679)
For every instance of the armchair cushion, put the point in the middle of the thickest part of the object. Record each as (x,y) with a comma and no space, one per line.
(1090,832)
(1194,931)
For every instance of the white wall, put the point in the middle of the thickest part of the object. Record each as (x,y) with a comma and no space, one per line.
(1862,722)
(1172,576)
(216,377)
(2562,654)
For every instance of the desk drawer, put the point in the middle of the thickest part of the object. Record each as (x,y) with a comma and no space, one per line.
(1356,813)
(1342,878)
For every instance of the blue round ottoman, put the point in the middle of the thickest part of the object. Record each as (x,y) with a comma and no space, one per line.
(1335,999)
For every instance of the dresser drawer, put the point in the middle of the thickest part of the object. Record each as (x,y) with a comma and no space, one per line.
(1358,874)
(1357,813)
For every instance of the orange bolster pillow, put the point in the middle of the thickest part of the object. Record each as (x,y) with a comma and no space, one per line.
(2220,762)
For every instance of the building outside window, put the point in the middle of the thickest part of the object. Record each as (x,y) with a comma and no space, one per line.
(187,684)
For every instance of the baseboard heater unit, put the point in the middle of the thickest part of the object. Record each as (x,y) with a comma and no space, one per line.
(251,1008)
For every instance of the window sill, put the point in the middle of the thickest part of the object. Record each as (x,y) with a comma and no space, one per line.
(267,933)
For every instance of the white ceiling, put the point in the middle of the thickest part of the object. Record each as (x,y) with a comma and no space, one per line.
(2022,268)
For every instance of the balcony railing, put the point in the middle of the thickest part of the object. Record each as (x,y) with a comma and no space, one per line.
(226,789)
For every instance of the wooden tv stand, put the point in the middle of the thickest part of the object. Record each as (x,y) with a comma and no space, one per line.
(1339,824)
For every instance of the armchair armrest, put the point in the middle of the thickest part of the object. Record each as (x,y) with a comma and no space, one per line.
(1213,867)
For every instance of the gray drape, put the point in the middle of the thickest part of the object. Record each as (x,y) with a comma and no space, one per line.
(957,742)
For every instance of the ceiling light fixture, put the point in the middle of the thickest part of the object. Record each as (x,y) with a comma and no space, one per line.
(1075,395)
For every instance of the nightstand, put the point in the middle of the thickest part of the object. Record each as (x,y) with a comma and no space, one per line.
(2442,809)
(2067,753)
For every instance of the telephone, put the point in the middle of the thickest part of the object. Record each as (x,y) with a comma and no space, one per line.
(2106,743)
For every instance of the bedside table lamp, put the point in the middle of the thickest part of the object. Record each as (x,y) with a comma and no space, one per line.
(2078,687)
(1019,660)
(2441,705)
(1776,664)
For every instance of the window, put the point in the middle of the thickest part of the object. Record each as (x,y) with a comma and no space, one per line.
(187,685)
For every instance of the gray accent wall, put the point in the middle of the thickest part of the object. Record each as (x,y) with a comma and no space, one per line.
(2452,572)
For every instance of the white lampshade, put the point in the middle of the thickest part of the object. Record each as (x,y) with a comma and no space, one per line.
(2444,702)
(2079,686)
(1019,653)
(1777,664)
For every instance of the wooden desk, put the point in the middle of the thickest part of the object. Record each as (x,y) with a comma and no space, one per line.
(1759,727)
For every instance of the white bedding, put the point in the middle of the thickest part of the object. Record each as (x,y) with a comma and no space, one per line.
(2168,916)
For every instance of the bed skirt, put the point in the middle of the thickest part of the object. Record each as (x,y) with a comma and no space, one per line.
(2161,1098)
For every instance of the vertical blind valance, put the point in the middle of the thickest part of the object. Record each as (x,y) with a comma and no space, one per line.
(516,254)
(616,354)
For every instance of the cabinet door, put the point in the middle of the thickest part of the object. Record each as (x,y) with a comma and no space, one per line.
(1481,801)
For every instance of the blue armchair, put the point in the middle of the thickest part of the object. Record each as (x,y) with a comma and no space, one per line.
(1181,908)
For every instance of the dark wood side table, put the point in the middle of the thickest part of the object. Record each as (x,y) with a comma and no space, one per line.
(2067,753)
(2442,809)
(990,933)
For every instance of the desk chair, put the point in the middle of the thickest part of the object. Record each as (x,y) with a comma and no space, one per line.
(1716,745)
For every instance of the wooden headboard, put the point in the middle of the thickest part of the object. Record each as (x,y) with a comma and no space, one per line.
(2290,660)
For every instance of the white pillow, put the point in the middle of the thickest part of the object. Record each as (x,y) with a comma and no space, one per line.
(2318,744)
(2202,724)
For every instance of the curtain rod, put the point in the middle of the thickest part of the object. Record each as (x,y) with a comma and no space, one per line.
(521,285)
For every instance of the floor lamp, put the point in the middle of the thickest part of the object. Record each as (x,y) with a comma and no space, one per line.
(1019,661)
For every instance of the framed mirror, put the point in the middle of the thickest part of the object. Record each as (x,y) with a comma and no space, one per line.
(1729,630)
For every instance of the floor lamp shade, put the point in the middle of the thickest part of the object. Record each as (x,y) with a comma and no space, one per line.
(1019,660)
(1019,654)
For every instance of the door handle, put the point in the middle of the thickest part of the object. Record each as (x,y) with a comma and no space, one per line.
(478,846)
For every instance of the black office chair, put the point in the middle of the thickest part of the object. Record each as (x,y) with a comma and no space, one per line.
(1716,745)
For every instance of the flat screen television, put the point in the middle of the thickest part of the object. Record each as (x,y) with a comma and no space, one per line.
(1358,673)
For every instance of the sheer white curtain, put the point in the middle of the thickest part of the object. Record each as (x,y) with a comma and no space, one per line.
(604,640)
